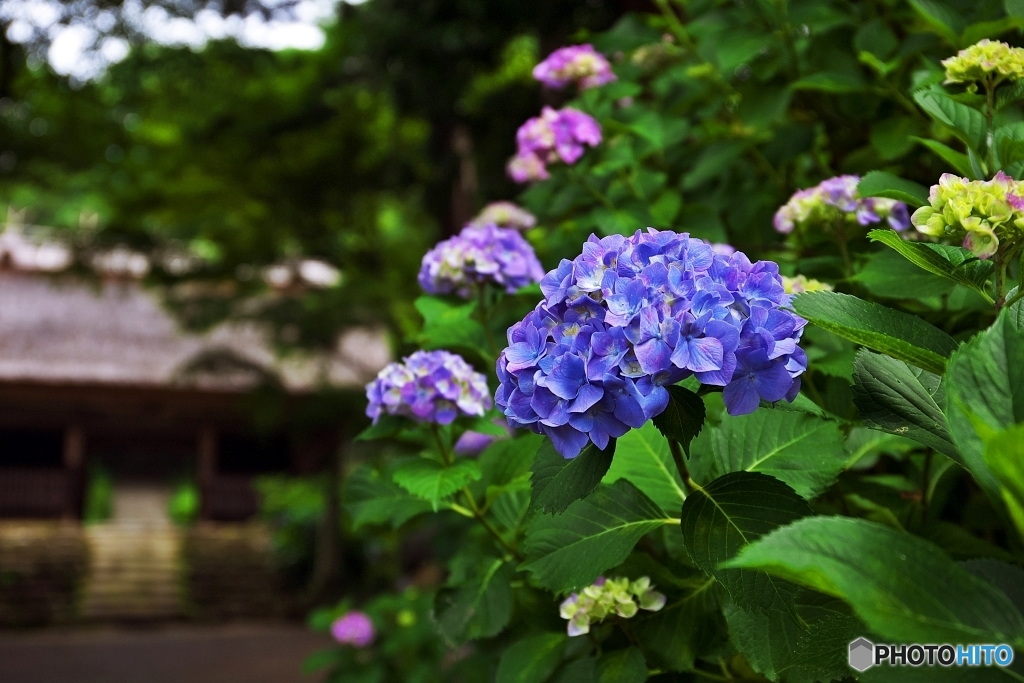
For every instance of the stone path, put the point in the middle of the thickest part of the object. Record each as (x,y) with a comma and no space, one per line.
(133,559)
(236,653)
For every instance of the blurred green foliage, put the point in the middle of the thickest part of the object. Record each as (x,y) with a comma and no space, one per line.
(98,505)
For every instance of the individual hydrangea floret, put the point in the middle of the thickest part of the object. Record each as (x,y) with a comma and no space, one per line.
(981,212)
(630,316)
(609,596)
(580,64)
(505,215)
(476,256)
(472,444)
(555,135)
(428,386)
(834,200)
(353,628)
(801,283)
(987,61)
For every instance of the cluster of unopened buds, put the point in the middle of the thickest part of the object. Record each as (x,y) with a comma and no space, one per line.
(480,255)
(428,386)
(984,213)
(801,283)
(504,215)
(605,597)
(579,64)
(835,201)
(987,61)
(555,135)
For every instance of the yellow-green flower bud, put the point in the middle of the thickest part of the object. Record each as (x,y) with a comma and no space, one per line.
(985,60)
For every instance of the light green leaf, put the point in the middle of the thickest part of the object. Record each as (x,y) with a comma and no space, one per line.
(532,659)
(895,333)
(373,498)
(683,418)
(899,399)
(901,586)
(450,325)
(432,481)
(558,482)
(957,160)
(966,122)
(722,518)
(480,607)
(804,451)
(882,184)
(570,550)
(953,263)
(643,458)
(890,276)
(1004,455)
(985,390)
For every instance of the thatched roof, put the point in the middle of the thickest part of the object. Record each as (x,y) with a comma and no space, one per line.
(70,332)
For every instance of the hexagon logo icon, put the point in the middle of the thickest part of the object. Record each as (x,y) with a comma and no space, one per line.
(862,654)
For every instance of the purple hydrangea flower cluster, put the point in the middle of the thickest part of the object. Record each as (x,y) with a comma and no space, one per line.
(478,255)
(553,136)
(837,199)
(353,628)
(428,386)
(581,64)
(630,316)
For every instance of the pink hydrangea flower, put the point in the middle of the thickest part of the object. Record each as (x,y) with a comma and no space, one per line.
(354,628)
(580,64)
(555,135)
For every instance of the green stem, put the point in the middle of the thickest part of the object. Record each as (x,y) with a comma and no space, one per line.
(684,473)
(990,110)
(926,485)
(1001,263)
(448,458)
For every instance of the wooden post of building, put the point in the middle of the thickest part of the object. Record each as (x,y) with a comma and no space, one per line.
(207,469)
(74,464)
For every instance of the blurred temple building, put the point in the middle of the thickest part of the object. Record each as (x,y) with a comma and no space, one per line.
(95,373)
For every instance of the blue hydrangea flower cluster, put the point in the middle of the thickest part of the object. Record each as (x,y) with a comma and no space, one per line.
(428,386)
(477,255)
(630,316)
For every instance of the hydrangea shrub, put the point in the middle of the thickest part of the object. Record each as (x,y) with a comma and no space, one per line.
(762,439)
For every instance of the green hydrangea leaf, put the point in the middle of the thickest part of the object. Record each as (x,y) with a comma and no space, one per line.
(900,335)
(568,551)
(433,481)
(902,587)
(801,450)
(557,482)
(722,518)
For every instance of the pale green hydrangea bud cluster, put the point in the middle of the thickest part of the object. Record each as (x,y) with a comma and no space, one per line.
(982,212)
(605,597)
(801,283)
(986,60)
